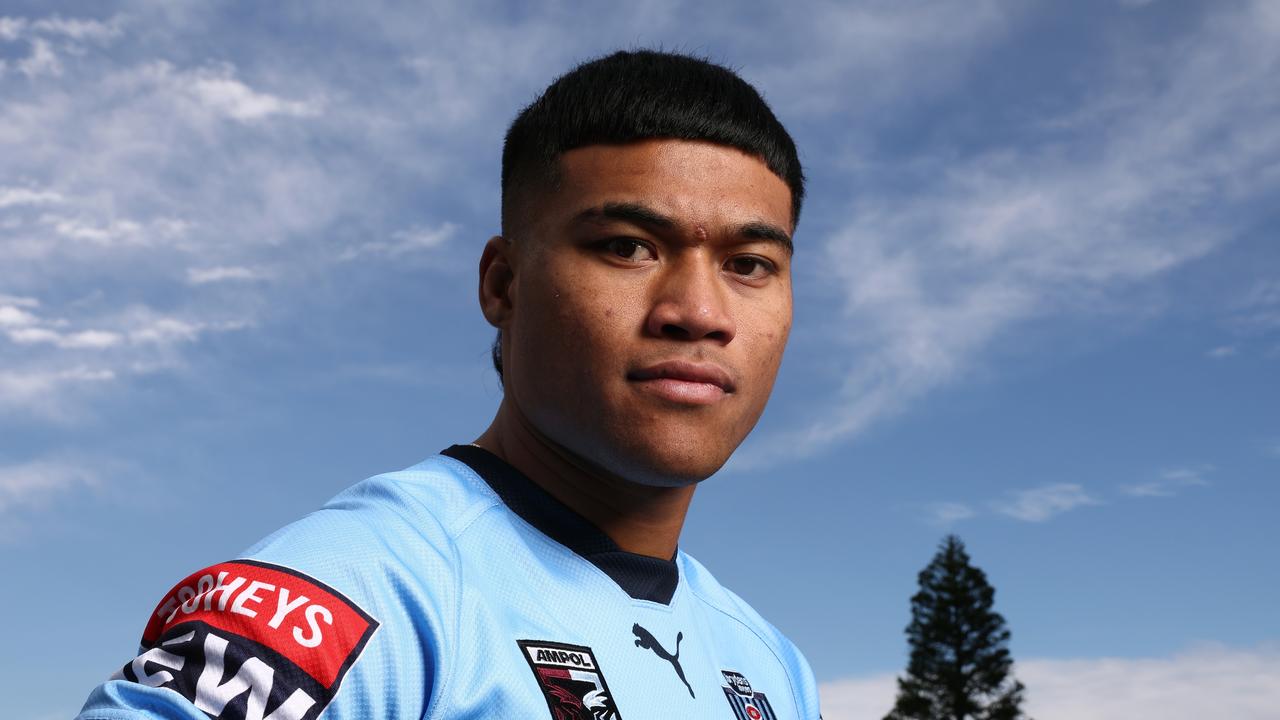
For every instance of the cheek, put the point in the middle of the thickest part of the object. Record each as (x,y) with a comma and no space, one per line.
(771,337)
(586,330)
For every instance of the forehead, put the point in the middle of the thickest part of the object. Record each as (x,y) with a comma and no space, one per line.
(699,183)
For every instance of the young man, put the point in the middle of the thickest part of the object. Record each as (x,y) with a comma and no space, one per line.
(641,289)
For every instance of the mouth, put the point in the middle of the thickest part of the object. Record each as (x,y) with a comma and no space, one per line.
(684,382)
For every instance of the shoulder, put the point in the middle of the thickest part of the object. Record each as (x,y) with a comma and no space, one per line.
(737,611)
(423,507)
(360,594)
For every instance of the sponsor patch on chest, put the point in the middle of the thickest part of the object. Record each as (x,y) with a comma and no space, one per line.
(570,680)
(254,641)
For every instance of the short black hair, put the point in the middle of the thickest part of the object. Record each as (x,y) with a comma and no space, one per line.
(635,95)
(639,94)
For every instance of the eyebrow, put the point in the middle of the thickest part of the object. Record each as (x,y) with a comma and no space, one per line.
(648,217)
(764,231)
(629,212)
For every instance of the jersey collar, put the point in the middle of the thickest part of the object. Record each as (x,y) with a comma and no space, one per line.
(640,576)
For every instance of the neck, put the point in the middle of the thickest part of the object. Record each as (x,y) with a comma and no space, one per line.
(640,518)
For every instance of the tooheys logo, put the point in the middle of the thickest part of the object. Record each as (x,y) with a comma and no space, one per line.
(253,641)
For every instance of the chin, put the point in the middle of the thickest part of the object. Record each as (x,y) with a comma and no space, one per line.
(680,463)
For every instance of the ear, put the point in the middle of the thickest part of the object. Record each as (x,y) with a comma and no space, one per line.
(496,278)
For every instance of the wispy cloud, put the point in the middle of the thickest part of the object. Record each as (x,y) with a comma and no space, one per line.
(152,191)
(1041,503)
(42,60)
(35,484)
(78,28)
(1211,681)
(48,37)
(10,196)
(133,325)
(1257,310)
(880,49)
(1155,166)
(83,339)
(12,314)
(49,359)
(224,273)
(40,392)
(1170,482)
(11,28)
(34,491)
(218,89)
(402,242)
(1222,351)
(945,514)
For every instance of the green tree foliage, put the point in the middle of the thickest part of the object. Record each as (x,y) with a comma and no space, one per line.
(960,662)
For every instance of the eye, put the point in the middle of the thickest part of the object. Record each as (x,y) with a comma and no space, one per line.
(628,249)
(750,267)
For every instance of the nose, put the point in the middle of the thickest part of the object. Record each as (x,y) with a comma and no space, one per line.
(690,302)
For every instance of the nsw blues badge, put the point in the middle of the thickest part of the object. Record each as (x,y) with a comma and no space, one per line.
(747,703)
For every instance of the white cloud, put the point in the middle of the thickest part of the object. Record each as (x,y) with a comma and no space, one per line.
(78,28)
(137,325)
(90,339)
(11,28)
(35,484)
(84,339)
(949,513)
(1170,482)
(1257,311)
(165,330)
(12,316)
(34,335)
(40,391)
(47,36)
(1206,682)
(75,29)
(866,698)
(19,301)
(10,196)
(410,240)
(1130,181)
(42,60)
(117,231)
(223,273)
(45,374)
(218,89)
(1222,351)
(884,53)
(1040,504)
(1202,683)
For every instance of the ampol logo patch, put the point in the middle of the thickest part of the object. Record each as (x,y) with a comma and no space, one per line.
(570,680)
(251,640)
(746,704)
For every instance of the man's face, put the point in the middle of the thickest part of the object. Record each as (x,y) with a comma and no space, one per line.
(650,301)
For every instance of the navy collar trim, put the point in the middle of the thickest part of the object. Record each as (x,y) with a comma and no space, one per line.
(640,576)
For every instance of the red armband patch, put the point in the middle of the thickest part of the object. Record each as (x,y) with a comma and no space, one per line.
(248,639)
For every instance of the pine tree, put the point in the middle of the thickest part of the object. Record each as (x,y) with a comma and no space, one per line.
(960,662)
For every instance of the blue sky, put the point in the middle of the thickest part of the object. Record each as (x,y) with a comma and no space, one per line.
(1037,305)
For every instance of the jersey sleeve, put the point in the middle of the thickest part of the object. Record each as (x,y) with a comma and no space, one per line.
(344,614)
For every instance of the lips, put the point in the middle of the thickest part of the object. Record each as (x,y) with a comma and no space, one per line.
(685,382)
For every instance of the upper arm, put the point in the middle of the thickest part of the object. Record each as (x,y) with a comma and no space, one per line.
(334,617)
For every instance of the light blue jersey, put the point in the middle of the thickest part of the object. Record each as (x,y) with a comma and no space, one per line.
(455,589)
